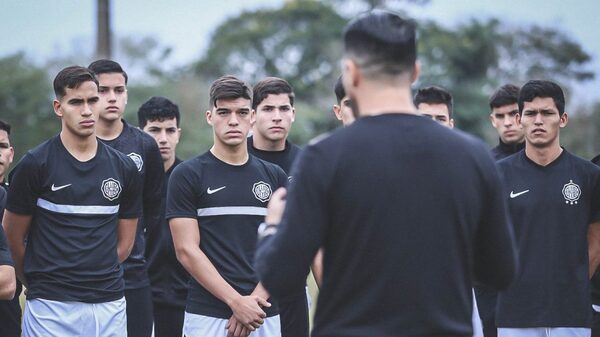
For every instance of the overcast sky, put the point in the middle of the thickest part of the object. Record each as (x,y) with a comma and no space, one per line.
(47,28)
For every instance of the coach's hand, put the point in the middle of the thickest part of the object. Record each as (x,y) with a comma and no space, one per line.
(276,207)
(247,311)
(236,329)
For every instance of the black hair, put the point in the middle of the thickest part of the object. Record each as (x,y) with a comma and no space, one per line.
(542,89)
(228,87)
(434,95)
(105,66)
(505,95)
(157,109)
(339,90)
(381,43)
(271,86)
(72,77)
(5,126)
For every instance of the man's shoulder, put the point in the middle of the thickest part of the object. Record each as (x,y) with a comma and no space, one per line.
(117,156)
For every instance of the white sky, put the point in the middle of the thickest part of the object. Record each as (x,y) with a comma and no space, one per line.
(47,28)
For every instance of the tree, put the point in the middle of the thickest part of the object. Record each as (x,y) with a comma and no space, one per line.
(474,58)
(25,102)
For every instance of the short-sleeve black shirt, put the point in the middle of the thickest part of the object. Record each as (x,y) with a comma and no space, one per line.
(71,252)
(229,203)
(143,151)
(551,207)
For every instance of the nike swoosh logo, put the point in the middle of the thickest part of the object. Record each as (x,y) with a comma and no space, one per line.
(514,195)
(209,191)
(56,188)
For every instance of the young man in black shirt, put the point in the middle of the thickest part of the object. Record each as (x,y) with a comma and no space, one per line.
(504,110)
(554,203)
(215,203)
(143,151)
(159,117)
(76,201)
(504,107)
(8,282)
(273,103)
(402,238)
(595,284)
(10,310)
(435,103)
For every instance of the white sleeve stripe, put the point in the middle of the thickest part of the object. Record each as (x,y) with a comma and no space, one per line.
(77,209)
(232,210)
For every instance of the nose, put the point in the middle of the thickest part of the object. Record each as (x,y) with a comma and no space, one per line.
(87,110)
(538,119)
(233,120)
(277,115)
(162,137)
(508,120)
(111,96)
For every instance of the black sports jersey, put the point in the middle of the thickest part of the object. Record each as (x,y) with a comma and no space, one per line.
(71,252)
(551,207)
(406,211)
(229,203)
(283,159)
(5,258)
(143,150)
(293,308)
(596,279)
(504,150)
(168,278)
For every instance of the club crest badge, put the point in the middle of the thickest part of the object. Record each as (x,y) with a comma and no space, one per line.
(571,192)
(137,159)
(262,191)
(111,189)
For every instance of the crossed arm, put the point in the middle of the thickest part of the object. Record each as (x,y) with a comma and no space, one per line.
(247,313)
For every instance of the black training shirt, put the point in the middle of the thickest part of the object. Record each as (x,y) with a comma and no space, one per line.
(168,278)
(551,207)
(229,203)
(504,150)
(407,211)
(142,149)
(5,258)
(283,159)
(71,252)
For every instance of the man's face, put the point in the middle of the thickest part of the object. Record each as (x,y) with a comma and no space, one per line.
(6,154)
(343,112)
(541,122)
(231,120)
(113,96)
(78,110)
(438,112)
(166,133)
(504,119)
(274,117)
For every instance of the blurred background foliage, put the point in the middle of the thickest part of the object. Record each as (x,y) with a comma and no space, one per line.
(301,42)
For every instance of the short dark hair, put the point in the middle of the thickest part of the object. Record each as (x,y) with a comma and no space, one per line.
(381,43)
(339,90)
(505,95)
(157,109)
(72,77)
(542,89)
(105,66)
(5,126)
(434,95)
(228,87)
(271,86)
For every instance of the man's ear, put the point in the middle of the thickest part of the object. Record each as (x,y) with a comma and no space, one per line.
(416,72)
(337,110)
(56,105)
(209,117)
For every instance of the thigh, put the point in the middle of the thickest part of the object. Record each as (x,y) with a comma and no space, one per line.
(522,332)
(204,326)
(139,312)
(168,320)
(570,332)
(111,318)
(271,328)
